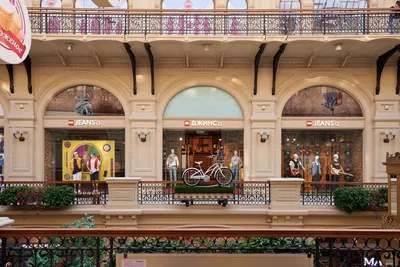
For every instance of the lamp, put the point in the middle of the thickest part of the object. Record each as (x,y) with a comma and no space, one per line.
(338,47)
(206,48)
(388,133)
(142,134)
(70,47)
(19,131)
(262,133)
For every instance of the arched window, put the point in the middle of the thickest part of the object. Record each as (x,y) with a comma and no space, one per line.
(188,4)
(203,102)
(237,4)
(101,4)
(322,101)
(51,3)
(1,111)
(290,4)
(85,100)
(319,4)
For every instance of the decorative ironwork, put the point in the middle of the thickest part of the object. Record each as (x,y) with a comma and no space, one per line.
(232,23)
(151,59)
(10,70)
(275,65)
(257,64)
(133,65)
(100,247)
(380,65)
(28,67)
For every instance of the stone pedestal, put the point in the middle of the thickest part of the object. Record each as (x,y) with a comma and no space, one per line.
(285,193)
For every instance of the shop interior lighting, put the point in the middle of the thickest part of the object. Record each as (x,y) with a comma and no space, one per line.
(338,47)
(70,47)
(142,134)
(262,133)
(206,48)
(20,132)
(390,135)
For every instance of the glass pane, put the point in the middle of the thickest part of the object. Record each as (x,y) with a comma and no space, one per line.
(340,4)
(324,144)
(237,4)
(85,100)
(101,4)
(322,101)
(203,102)
(183,148)
(1,110)
(188,4)
(107,145)
(290,4)
(51,3)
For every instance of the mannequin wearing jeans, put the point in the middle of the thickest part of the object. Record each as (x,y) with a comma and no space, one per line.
(172,165)
(316,171)
(236,163)
(336,169)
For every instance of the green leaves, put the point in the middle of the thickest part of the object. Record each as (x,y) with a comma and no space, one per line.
(355,199)
(59,196)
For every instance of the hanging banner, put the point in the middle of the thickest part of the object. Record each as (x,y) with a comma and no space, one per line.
(15,31)
(103,150)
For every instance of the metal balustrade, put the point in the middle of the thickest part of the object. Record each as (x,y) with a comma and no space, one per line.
(214,23)
(102,247)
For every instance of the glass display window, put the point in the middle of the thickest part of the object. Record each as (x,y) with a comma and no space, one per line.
(347,144)
(290,4)
(182,149)
(107,147)
(188,4)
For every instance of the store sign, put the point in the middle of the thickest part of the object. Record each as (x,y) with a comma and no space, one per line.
(15,31)
(84,123)
(202,123)
(321,123)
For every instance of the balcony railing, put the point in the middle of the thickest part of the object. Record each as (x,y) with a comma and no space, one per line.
(214,23)
(103,247)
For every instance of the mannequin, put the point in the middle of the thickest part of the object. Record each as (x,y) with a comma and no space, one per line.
(76,167)
(93,165)
(1,142)
(295,165)
(336,169)
(172,165)
(236,163)
(316,170)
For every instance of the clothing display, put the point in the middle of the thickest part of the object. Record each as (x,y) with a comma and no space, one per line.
(93,165)
(172,163)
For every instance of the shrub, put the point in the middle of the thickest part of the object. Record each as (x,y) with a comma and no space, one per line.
(10,195)
(352,199)
(59,196)
(379,200)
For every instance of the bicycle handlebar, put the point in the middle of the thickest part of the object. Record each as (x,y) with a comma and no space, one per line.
(212,156)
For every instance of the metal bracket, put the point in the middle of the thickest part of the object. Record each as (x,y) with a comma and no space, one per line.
(10,70)
(398,77)
(28,67)
(133,65)
(275,64)
(380,65)
(257,64)
(151,59)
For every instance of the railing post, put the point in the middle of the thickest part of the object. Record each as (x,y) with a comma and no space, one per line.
(286,193)
(317,258)
(3,251)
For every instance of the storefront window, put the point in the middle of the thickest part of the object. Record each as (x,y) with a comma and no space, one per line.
(101,4)
(108,146)
(322,101)
(190,146)
(318,4)
(188,4)
(347,144)
(290,4)
(237,4)
(85,100)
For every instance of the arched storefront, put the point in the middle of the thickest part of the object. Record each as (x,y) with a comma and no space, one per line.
(323,121)
(199,122)
(84,119)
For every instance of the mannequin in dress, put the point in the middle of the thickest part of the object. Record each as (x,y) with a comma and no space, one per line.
(236,163)
(172,165)
(316,171)
(295,165)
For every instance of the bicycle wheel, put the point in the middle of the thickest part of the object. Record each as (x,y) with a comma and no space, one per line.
(188,177)
(224,176)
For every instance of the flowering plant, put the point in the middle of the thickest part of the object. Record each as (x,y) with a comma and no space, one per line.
(380,200)
(32,198)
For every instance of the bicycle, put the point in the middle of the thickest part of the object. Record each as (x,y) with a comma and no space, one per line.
(192,176)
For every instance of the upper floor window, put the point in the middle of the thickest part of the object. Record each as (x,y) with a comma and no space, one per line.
(237,4)
(51,3)
(318,4)
(100,3)
(290,4)
(188,4)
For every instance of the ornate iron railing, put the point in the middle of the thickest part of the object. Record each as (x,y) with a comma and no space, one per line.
(100,247)
(162,193)
(214,23)
(321,193)
(86,193)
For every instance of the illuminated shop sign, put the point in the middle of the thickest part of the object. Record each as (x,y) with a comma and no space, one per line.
(203,123)
(84,123)
(322,123)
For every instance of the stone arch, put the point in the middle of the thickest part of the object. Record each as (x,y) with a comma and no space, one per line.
(3,102)
(349,85)
(234,87)
(56,85)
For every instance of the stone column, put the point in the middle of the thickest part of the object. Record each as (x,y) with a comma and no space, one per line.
(122,207)
(393,196)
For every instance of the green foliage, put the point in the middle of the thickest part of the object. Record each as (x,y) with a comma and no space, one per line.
(9,196)
(59,196)
(379,200)
(352,199)
(84,256)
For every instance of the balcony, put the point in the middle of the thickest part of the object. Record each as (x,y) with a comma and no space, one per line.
(250,23)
